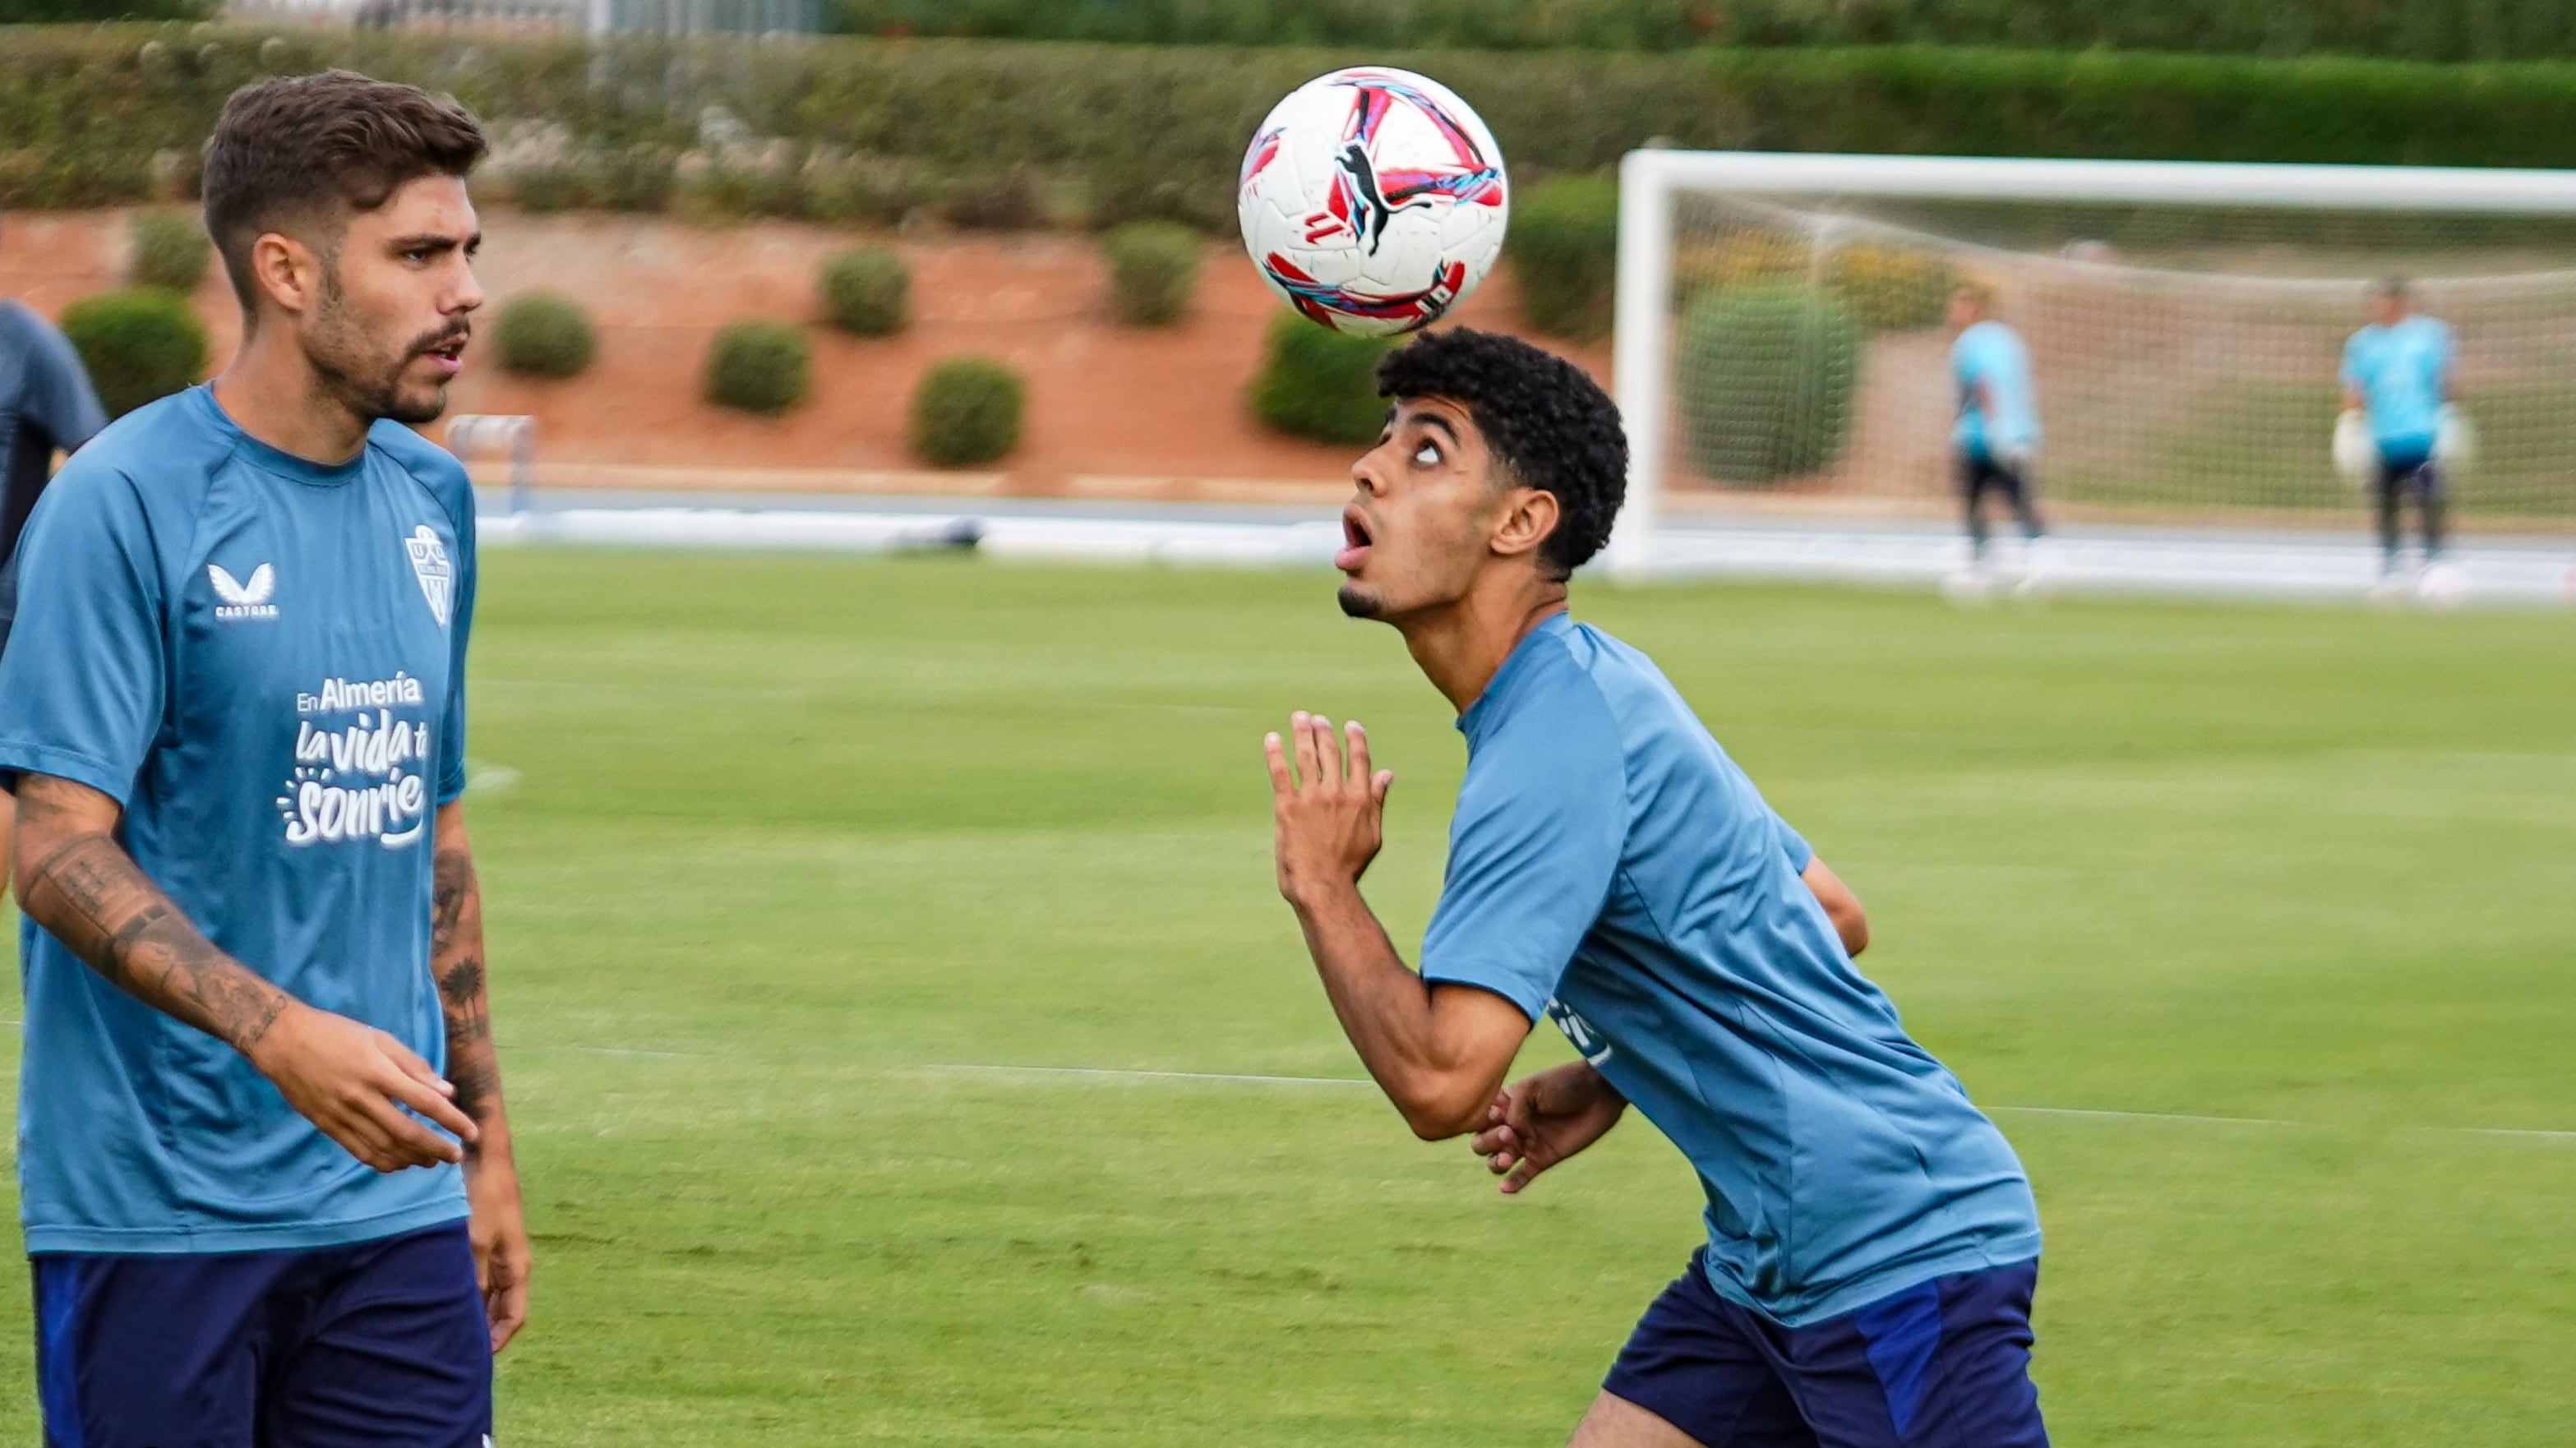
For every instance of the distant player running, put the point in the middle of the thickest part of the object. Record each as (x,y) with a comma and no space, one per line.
(265,1174)
(1872,1240)
(1995,438)
(2397,383)
(46,406)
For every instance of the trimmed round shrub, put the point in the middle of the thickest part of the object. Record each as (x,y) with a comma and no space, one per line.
(541,334)
(1564,248)
(170,250)
(138,345)
(1767,375)
(1153,268)
(1891,288)
(1318,383)
(759,366)
(967,410)
(867,291)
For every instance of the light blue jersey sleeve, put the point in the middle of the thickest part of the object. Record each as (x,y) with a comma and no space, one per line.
(81,688)
(1794,845)
(1532,850)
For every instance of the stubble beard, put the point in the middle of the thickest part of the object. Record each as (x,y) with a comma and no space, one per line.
(1358,602)
(369,385)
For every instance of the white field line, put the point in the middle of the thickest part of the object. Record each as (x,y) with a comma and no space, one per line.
(1098,1073)
(1107,1074)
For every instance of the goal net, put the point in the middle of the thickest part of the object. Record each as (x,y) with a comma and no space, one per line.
(1781,340)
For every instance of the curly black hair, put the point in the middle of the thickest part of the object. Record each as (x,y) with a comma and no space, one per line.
(1549,424)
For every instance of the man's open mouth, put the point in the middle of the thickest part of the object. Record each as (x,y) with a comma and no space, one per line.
(449,354)
(1357,539)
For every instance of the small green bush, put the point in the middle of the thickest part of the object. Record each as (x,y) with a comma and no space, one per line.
(139,345)
(867,291)
(544,190)
(759,366)
(1564,248)
(542,334)
(967,410)
(1767,375)
(170,250)
(1318,383)
(1153,268)
(1891,288)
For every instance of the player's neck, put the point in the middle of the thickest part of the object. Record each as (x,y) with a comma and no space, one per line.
(271,391)
(1462,645)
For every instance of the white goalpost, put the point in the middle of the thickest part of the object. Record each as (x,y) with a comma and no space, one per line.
(1779,341)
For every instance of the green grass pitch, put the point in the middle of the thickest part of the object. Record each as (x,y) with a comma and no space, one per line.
(770,841)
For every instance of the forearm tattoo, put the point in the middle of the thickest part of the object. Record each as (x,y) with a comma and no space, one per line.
(90,895)
(456,962)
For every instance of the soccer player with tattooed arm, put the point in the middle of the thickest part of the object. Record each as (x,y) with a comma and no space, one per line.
(266,1177)
(1872,1242)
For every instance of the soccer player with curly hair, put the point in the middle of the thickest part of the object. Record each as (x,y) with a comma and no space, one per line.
(1872,1240)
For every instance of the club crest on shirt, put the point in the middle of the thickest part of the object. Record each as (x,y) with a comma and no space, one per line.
(236,600)
(429,564)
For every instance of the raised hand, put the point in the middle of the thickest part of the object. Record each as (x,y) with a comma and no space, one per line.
(353,1081)
(1541,1120)
(1328,803)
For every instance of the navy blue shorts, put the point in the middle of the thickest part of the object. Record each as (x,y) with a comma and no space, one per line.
(382,1344)
(1942,1365)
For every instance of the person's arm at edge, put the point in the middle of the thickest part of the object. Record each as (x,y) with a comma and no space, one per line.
(456,962)
(1439,1051)
(1842,907)
(349,1080)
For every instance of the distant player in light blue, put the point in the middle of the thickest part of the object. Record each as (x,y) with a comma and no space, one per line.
(1995,439)
(46,406)
(2397,374)
(1872,1242)
(264,1170)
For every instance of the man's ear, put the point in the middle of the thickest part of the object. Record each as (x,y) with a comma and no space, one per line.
(1526,519)
(286,272)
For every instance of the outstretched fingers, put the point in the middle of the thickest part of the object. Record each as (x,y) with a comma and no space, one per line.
(1276,751)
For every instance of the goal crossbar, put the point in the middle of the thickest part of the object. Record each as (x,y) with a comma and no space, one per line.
(1649,180)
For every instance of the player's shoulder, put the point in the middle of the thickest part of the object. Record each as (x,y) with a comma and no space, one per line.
(1545,691)
(1586,689)
(20,322)
(25,333)
(166,450)
(435,468)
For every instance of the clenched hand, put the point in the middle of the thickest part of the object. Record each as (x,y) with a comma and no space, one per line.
(1541,1120)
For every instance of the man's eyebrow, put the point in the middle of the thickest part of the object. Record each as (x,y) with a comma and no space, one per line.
(1433,419)
(433,241)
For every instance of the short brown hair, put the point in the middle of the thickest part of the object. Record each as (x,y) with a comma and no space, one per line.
(311,149)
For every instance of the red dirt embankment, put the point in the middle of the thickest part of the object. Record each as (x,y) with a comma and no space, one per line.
(1113,410)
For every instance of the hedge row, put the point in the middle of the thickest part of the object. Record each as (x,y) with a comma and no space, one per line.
(2437,30)
(1020,133)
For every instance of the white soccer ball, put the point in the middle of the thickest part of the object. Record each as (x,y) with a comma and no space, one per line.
(1373,200)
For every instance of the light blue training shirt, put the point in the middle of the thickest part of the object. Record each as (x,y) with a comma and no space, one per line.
(1611,867)
(2401,371)
(261,659)
(1992,355)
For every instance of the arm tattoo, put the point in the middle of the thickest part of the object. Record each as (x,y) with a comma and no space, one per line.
(90,895)
(456,963)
